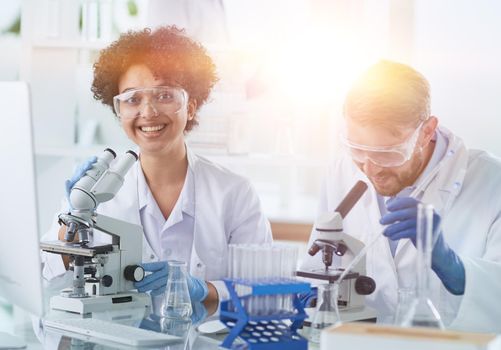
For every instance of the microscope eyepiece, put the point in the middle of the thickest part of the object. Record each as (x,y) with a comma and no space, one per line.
(111,151)
(133,153)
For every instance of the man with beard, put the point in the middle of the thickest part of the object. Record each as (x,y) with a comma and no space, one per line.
(398,148)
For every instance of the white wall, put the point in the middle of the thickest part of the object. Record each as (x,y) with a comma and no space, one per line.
(454,43)
(457,47)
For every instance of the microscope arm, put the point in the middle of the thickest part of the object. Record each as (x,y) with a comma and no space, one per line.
(128,236)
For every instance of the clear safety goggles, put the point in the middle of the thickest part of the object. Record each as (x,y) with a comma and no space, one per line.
(383,156)
(162,99)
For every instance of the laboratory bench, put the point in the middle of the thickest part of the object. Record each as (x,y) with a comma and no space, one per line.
(31,330)
(34,334)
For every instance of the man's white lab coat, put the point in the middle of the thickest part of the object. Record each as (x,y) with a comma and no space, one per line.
(465,190)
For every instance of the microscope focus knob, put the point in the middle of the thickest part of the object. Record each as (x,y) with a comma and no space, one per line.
(134,273)
(107,280)
(364,285)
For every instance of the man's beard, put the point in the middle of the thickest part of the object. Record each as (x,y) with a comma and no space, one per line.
(397,181)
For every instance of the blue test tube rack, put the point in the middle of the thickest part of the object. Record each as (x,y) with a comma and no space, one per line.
(264,332)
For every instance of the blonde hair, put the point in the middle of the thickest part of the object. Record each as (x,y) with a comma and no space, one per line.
(389,94)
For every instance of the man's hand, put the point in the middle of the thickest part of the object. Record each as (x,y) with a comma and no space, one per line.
(402,221)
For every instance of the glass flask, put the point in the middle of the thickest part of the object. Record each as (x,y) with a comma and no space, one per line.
(175,326)
(406,297)
(422,312)
(177,302)
(327,312)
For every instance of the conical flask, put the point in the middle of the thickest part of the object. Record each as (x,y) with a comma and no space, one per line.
(422,312)
(326,313)
(406,298)
(177,303)
(175,326)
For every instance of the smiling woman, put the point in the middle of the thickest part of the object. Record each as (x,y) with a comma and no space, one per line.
(153,116)
(190,208)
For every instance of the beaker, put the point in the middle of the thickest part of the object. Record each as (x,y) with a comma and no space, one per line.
(422,312)
(177,302)
(326,313)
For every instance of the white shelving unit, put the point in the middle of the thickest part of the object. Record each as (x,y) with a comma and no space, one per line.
(54,55)
(77,44)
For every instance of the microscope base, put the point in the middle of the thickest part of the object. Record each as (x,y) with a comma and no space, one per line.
(359,314)
(101,303)
(363,314)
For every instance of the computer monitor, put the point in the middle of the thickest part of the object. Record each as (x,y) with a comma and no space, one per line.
(20,265)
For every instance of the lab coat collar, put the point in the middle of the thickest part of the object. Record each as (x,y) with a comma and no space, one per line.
(187,196)
(149,206)
(442,188)
(438,154)
(189,190)
(441,144)
(142,188)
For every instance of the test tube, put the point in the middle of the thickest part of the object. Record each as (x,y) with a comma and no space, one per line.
(289,271)
(276,257)
(252,277)
(258,256)
(229,268)
(267,262)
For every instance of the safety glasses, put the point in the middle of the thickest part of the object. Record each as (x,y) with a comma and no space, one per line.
(383,156)
(162,99)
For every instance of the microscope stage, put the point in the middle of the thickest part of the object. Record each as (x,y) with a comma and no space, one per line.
(60,247)
(330,275)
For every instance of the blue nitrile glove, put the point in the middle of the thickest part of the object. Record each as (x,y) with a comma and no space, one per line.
(402,221)
(306,298)
(199,312)
(156,281)
(77,175)
(198,290)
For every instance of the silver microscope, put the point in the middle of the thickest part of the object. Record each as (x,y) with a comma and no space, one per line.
(103,272)
(334,243)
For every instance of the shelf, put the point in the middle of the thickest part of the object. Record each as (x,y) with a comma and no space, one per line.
(70,44)
(268,160)
(251,159)
(74,151)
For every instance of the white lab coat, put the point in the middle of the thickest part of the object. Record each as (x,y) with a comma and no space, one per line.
(227,210)
(466,191)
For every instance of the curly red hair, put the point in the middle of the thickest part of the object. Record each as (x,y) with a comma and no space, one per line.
(168,53)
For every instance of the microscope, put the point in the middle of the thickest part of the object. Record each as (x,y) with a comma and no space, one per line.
(336,245)
(103,272)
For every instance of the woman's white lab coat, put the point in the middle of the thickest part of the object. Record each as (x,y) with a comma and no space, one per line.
(227,210)
(466,190)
